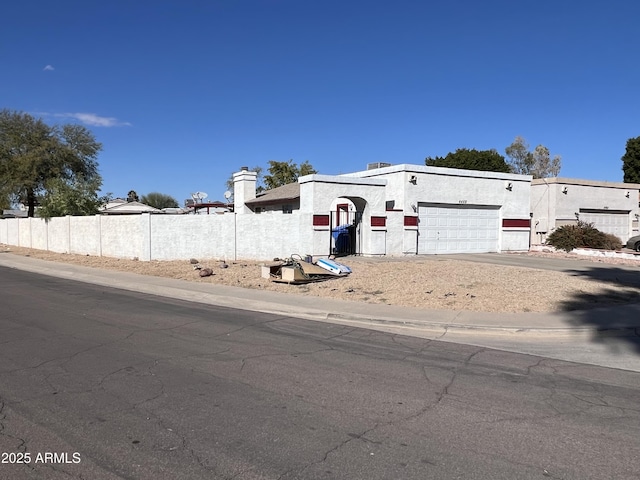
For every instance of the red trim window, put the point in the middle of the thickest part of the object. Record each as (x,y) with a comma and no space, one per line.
(321,220)
(410,221)
(516,223)
(378,221)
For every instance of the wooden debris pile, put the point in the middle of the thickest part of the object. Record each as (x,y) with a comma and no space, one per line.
(296,271)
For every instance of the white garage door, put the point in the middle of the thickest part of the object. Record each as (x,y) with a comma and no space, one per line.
(608,221)
(447,228)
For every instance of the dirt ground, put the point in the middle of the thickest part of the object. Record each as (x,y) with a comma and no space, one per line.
(428,282)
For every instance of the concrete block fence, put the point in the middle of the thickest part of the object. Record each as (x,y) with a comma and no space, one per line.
(169,237)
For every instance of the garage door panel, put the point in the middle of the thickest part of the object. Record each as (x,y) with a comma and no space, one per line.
(458,229)
(431,222)
(616,223)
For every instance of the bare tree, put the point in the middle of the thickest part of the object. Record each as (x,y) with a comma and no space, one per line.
(537,163)
(543,165)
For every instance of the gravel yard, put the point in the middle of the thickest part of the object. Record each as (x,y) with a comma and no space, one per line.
(428,282)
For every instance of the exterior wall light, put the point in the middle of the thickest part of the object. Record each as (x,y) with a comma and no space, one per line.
(565,190)
(509,186)
(413,179)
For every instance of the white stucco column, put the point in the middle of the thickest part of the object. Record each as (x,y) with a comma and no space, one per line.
(244,188)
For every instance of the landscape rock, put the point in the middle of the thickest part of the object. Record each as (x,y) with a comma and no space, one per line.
(206,272)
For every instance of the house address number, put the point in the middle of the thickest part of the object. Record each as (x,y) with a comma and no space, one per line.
(462,202)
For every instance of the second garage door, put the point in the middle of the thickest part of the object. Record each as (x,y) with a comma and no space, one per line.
(608,221)
(445,228)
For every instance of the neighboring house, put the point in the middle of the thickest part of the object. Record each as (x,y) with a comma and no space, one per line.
(175,210)
(611,207)
(114,202)
(284,199)
(127,208)
(14,213)
(206,208)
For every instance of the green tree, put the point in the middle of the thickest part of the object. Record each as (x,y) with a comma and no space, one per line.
(75,197)
(471,159)
(159,200)
(537,163)
(282,173)
(306,169)
(5,200)
(631,161)
(132,196)
(33,153)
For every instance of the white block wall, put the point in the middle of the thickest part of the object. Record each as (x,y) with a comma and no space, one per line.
(39,234)
(192,236)
(122,236)
(57,234)
(275,235)
(170,237)
(86,235)
(24,231)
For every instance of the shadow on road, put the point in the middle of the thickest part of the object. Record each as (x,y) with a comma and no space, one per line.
(619,326)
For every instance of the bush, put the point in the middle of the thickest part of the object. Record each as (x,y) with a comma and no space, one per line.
(612,242)
(569,237)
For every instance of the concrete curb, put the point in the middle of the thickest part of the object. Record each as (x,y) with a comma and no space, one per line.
(430,323)
(452,328)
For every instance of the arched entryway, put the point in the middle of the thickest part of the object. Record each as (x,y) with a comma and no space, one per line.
(346,220)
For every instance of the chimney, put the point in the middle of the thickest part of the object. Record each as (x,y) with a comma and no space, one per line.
(244,188)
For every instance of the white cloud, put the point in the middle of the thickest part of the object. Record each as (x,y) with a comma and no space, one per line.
(90,119)
(94,120)
(48,68)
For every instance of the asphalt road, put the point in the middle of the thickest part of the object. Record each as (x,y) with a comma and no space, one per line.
(98,383)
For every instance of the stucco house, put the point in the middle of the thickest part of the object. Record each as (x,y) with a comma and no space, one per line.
(458,211)
(611,207)
(402,209)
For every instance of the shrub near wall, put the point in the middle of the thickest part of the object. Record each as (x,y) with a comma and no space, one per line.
(582,235)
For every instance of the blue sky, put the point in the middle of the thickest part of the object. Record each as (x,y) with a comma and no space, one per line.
(183,93)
